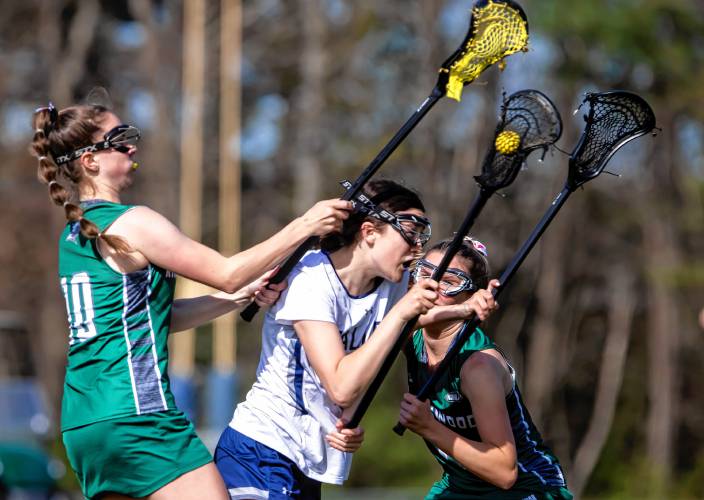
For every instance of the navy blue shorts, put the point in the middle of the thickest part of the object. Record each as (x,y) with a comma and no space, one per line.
(253,471)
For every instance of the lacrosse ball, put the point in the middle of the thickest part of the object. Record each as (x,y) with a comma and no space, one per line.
(135,165)
(507,142)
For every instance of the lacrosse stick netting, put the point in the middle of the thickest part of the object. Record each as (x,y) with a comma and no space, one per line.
(497,29)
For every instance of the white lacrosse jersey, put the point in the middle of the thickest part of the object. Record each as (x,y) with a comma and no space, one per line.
(287,408)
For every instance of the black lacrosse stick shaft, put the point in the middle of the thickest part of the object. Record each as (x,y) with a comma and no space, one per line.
(472,324)
(467,223)
(251,310)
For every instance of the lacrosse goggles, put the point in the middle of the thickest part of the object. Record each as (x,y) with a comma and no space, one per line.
(120,138)
(453,282)
(415,229)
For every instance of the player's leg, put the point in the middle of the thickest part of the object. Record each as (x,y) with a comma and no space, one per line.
(254,471)
(203,482)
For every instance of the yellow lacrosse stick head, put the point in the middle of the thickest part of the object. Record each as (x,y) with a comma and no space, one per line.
(498,29)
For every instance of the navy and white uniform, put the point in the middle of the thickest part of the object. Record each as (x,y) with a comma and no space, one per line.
(288,409)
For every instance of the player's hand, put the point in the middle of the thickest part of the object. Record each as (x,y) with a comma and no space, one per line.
(347,440)
(482,303)
(326,217)
(415,415)
(418,300)
(263,292)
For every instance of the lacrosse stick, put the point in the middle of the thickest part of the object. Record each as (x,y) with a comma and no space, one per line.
(497,29)
(529,121)
(614,119)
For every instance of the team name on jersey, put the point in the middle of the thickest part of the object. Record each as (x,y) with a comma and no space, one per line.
(355,337)
(461,422)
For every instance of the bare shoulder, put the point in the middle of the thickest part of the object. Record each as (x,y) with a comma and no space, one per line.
(139,220)
(485,369)
(483,363)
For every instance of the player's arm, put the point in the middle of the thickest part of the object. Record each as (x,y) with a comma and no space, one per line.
(347,376)
(494,457)
(481,304)
(193,312)
(162,243)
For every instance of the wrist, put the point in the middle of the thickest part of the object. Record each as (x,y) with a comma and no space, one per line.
(432,430)
(297,231)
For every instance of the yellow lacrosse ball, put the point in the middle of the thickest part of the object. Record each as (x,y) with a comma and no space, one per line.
(507,142)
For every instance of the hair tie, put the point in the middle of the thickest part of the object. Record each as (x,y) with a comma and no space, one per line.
(51,183)
(40,158)
(53,114)
(478,245)
(39,130)
(66,203)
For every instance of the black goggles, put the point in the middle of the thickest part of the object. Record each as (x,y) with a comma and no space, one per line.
(121,139)
(453,282)
(415,229)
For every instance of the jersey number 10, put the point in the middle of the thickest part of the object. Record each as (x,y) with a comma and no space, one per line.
(79,306)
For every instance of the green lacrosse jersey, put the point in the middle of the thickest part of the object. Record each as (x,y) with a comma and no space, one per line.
(539,473)
(118,329)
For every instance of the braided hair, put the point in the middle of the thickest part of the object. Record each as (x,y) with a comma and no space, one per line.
(60,132)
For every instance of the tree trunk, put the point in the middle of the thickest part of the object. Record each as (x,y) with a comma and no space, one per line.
(662,255)
(622,305)
(309,107)
(541,359)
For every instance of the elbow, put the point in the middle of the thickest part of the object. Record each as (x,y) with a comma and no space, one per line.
(230,285)
(342,397)
(507,478)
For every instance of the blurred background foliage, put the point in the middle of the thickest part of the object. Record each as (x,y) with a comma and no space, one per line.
(601,322)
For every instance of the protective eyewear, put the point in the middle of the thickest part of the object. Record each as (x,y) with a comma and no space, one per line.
(415,229)
(453,282)
(121,139)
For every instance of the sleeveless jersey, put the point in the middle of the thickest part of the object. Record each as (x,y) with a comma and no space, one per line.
(539,473)
(118,328)
(287,408)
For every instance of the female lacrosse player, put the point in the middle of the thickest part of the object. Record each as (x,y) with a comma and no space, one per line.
(476,424)
(323,342)
(117,266)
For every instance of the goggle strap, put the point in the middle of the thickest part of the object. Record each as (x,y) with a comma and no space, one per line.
(98,146)
(112,139)
(364,205)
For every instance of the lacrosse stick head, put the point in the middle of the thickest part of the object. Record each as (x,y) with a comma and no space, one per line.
(529,121)
(614,119)
(497,29)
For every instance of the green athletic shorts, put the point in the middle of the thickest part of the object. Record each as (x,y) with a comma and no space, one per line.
(135,455)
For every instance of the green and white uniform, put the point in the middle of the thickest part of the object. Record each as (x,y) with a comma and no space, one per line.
(539,473)
(117,364)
